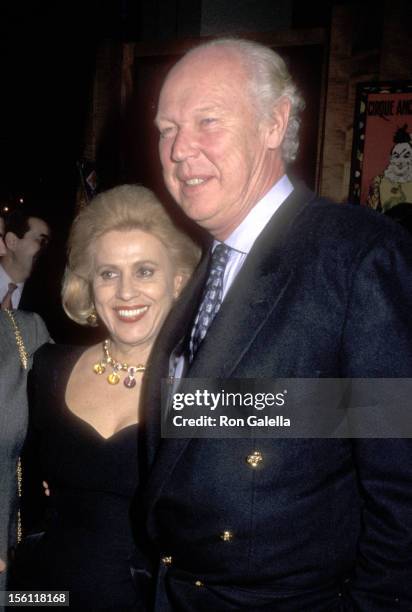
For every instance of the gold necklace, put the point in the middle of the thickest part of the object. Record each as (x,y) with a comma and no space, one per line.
(114,377)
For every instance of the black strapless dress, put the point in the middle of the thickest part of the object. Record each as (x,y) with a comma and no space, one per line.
(88,538)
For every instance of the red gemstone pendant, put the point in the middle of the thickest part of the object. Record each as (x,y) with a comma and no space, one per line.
(129,382)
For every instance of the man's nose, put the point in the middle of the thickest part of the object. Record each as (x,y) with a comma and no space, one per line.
(184,145)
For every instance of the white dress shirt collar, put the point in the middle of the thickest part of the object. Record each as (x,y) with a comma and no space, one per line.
(244,236)
(4,285)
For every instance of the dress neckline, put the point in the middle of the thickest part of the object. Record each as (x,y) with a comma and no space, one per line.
(75,353)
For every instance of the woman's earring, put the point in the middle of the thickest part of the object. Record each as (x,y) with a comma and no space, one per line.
(92,318)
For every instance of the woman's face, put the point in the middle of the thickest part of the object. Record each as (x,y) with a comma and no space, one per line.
(134,285)
(2,245)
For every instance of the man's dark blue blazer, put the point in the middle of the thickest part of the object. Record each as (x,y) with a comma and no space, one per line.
(322,524)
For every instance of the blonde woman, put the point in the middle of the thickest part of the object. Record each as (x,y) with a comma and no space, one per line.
(127,266)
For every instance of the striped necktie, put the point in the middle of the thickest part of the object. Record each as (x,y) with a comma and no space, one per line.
(212,297)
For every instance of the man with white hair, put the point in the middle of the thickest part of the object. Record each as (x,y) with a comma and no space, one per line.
(293,287)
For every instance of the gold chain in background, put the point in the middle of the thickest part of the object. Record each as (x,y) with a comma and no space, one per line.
(24,363)
(19,341)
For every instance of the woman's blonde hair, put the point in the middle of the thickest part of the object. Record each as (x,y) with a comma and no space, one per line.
(122,208)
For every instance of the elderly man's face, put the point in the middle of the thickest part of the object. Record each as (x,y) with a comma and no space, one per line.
(218,159)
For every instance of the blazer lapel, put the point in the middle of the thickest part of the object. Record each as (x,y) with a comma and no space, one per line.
(250,301)
(245,309)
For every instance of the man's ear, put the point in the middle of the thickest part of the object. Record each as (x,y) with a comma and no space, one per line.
(10,240)
(278,122)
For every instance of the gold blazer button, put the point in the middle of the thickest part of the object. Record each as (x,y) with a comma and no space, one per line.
(226,536)
(254,459)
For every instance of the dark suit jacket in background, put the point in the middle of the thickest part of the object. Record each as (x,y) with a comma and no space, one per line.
(323,524)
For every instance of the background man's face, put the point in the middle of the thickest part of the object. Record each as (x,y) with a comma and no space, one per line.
(28,248)
(212,148)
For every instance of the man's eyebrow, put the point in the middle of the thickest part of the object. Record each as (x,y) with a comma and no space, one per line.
(206,109)
(200,109)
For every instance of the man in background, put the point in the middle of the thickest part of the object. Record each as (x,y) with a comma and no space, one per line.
(25,237)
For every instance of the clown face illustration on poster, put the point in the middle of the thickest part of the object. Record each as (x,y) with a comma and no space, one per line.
(382,154)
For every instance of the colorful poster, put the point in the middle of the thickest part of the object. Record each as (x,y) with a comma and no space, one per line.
(381,173)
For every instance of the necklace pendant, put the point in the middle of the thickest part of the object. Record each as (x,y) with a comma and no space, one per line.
(117,368)
(99,368)
(113,378)
(129,382)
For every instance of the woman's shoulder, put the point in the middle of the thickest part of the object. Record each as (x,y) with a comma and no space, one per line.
(54,356)
(52,364)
